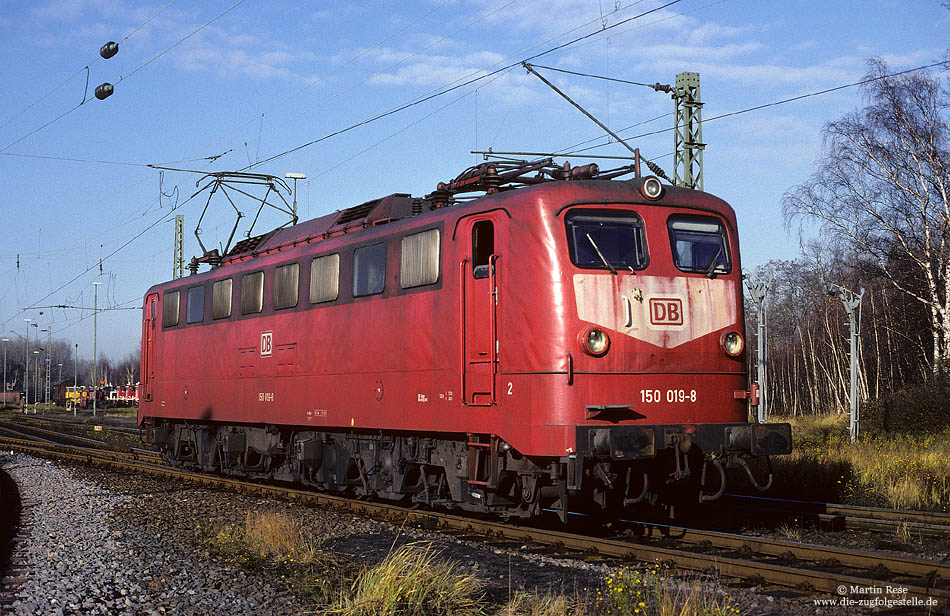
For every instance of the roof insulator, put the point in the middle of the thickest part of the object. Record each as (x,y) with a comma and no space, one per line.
(104,91)
(109,49)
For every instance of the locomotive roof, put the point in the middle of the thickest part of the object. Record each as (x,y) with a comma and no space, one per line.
(401,206)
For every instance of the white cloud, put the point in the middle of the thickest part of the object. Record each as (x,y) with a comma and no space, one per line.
(430,70)
(243,55)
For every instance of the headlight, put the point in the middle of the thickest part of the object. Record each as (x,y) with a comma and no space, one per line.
(732,343)
(651,188)
(594,341)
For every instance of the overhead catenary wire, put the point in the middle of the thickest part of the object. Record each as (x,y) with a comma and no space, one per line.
(213,158)
(324,77)
(398,63)
(86,67)
(452,88)
(160,220)
(654,86)
(401,130)
(778,102)
(124,77)
(943,63)
(482,17)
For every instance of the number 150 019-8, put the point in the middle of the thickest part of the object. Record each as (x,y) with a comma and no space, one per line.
(653,396)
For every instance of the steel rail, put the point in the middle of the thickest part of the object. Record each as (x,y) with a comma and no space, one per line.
(828,556)
(63,436)
(930,523)
(816,579)
(60,421)
(74,453)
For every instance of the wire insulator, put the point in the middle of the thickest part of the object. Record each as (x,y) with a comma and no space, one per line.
(109,49)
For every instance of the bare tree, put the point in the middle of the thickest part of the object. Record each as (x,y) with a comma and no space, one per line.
(128,368)
(882,190)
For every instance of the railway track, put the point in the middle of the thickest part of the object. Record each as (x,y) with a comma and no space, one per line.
(838,517)
(56,419)
(753,560)
(17,430)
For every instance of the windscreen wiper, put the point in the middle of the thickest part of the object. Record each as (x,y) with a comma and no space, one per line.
(601,255)
(713,263)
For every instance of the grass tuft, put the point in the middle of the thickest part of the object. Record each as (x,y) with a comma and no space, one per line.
(638,592)
(885,469)
(412,581)
(542,604)
(276,543)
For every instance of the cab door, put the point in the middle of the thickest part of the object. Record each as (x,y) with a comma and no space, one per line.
(480,270)
(148,344)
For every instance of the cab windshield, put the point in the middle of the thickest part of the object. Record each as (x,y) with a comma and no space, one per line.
(604,239)
(699,245)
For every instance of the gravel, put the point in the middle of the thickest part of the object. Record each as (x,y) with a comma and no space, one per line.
(82,563)
(116,543)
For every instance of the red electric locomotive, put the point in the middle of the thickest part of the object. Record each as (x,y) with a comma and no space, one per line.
(566,340)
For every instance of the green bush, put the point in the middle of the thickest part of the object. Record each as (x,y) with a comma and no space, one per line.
(915,408)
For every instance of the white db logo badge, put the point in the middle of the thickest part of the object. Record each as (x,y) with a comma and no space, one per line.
(267,344)
(666,311)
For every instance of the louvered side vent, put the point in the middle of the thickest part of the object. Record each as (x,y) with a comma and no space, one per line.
(247,245)
(355,213)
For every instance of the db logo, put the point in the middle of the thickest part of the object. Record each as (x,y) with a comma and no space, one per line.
(666,311)
(267,344)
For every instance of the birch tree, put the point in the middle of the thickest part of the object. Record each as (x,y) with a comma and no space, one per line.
(882,190)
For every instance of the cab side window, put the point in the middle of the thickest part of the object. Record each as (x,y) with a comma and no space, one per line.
(171,303)
(325,279)
(419,259)
(286,286)
(195,310)
(221,299)
(369,270)
(483,247)
(252,293)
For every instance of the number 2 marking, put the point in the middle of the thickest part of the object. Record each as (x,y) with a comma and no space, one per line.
(509,388)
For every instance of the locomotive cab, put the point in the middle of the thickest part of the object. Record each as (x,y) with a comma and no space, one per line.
(653,327)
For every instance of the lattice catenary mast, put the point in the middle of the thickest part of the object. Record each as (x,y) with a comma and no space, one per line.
(688,134)
(178,267)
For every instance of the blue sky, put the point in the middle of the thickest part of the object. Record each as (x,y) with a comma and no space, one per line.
(252,80)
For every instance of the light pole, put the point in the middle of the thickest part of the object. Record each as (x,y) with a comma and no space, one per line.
(95,334)
(75,379)
(758,291)
(852,302)
(26,373)
(49,342)
(4,341)
(36,379)
(49,362)
(295,176)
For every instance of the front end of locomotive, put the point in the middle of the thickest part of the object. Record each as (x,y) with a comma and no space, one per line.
(659,392)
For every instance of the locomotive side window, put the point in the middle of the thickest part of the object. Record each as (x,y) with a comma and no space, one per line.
(325,279)
(369,270)
(170,305)
(483,247)
(699,245)
(221,299)
(419,259)
(195,309)
(604,239)
(286,285)
(252,293)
